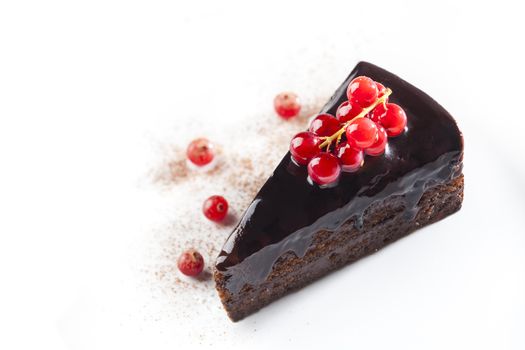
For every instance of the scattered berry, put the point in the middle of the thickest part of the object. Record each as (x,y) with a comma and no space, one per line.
(200,152)
(287,105)
(304,146)
(215,208)
(190,262)
(380,89)
(324,169)
(324,125)
(394,120)
(347,111)
(362,90)
(361,133)
(351,158)
(379,146)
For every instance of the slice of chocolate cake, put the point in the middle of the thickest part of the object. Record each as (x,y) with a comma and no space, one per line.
(296,231)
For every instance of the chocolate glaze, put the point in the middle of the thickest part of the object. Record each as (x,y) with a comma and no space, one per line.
(288,210)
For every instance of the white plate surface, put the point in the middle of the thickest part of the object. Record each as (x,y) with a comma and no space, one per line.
(88,92)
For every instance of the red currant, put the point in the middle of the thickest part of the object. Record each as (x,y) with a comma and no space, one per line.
(215,208)
(380,89)
(190,262)
(361,133)
(304,146)
(394,120)
(287,105)
(348,110)
(324,125)
(379,146)
(363,90)
(200,152)
(351,158)
(324,169)
(377,113)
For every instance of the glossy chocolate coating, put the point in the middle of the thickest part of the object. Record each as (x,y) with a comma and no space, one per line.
(288,210)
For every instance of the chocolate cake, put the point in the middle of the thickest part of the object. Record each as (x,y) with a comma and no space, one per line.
(295,232)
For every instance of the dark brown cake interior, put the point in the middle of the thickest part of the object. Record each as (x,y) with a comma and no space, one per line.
(294,232)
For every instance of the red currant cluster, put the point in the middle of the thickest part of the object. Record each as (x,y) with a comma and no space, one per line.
(362,125)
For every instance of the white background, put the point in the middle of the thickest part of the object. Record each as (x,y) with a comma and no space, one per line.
(83,82)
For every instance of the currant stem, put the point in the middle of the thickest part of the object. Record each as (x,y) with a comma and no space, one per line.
(337,135)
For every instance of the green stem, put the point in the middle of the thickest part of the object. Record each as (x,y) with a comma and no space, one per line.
(337,136)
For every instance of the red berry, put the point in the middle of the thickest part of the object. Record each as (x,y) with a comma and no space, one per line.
(379,146)
(363,90)
(394,120)
(351,158)
(380,89)
(348,110)
(287,105)
(215,208)
(200,152)
(304,146)
(324,125)
(361,133)
(190,262)
(324,169)
(377,113)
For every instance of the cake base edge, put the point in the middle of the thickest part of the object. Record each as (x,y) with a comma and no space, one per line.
(383,223)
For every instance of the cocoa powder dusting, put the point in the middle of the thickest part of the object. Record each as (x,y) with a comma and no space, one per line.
(247,157)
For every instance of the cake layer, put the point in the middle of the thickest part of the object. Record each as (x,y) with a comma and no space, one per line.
(383,222)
